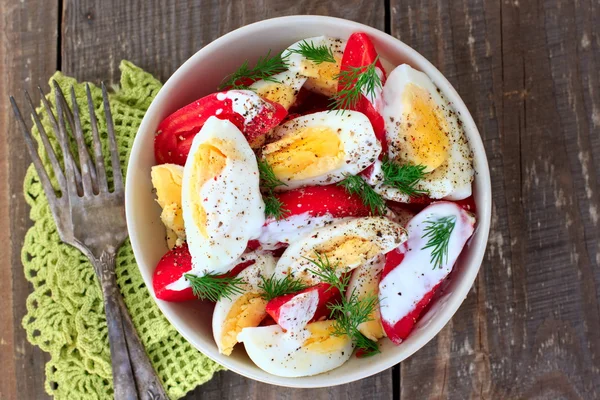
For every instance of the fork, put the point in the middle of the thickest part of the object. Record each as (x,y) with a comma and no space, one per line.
(91,218)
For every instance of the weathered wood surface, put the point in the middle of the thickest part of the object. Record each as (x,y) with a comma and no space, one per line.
(28,56)
(529,73)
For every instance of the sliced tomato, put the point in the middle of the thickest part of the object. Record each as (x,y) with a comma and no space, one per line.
(172,266)
(360,52)
(175,133)
(467,204)
(414,258)
(401,329)
(293,311)
(321,200)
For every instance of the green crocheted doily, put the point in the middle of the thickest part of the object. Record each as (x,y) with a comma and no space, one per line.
(65,314)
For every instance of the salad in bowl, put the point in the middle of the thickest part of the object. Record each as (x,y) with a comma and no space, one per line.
(320,198)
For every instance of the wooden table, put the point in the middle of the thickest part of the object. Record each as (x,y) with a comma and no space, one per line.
(529,73)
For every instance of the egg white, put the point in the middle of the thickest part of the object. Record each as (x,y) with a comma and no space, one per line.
(361,147)
(452,179)
(295,261)
(264,266)
(232,201)
(282,354)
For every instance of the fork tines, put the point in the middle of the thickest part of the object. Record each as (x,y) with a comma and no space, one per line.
(86,177)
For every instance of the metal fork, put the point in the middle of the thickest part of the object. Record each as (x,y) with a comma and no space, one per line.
(91,218)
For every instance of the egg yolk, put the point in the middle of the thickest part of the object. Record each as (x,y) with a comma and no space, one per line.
(248,311)
(424,130)
(209,161)
(348,250)
(372,329)
(278,93)
(322,78)
(322,340)
(166,179)
(306,153)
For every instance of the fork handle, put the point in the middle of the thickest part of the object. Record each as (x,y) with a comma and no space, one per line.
(123,382)
(148,383)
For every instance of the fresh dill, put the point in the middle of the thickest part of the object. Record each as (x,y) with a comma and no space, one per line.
(439,232)
(268,183)
(354,184)
(268,179)
(264,69)
(275,287)
(274,207)
(316,54)
(354,82)
(403,177)
(352,310)
(215,287)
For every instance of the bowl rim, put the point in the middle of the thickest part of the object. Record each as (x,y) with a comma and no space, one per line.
(479,242)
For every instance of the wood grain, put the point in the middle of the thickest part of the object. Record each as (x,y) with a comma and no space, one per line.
(159,39)
(528,73)
(28,50)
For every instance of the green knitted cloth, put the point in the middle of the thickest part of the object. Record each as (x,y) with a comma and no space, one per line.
(65,315)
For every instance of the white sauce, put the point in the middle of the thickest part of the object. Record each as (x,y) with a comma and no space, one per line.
(296,313)
(244,102)
(292,229)
(408,283)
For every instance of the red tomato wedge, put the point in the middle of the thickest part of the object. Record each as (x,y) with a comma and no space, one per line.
(412,273)
(360,52)
(305,206)
(321,200)
(293,311)
(171,268)
(175,133)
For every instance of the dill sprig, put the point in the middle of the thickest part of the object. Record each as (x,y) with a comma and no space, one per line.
(268,183)
(354,184)
(352,310)
(439,232)
(403,177)
(316,54)
(275,287)
(355,81)
(214,287)
(268,179)
(274,207)
(264,69)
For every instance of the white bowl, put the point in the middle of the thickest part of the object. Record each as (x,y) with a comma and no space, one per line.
(199,76)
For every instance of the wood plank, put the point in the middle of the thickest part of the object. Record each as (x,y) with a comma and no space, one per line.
(529,327)
(159,38)
(27,58)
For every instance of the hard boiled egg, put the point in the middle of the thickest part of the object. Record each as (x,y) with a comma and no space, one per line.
(322,77)
(321,148)
(221,200)
(166,180)
(423,129)
(242,310)
(313,351)
(346,245)
(281,88)
(365,282)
